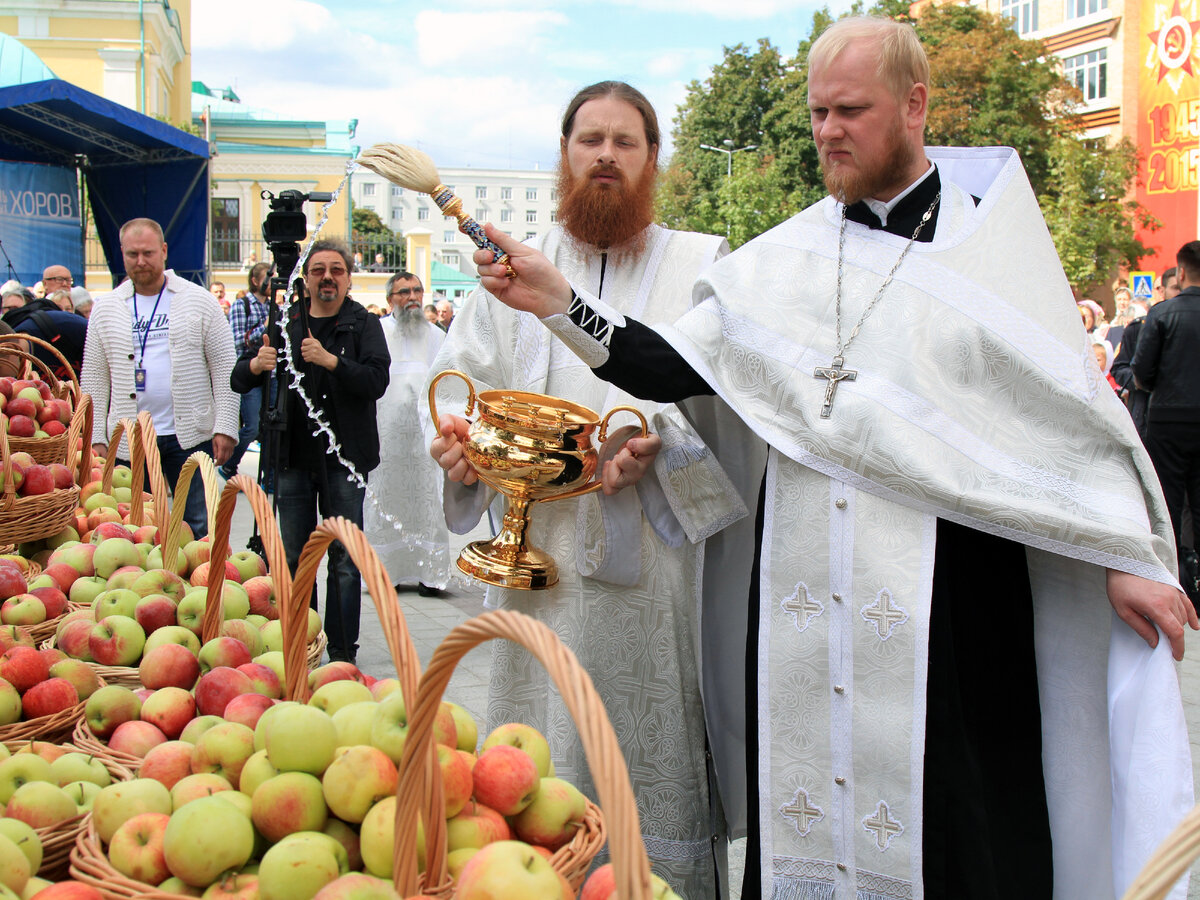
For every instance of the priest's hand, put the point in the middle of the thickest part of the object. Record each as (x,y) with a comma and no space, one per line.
(1143,604)
(447,449)
(538,287)
(631,462)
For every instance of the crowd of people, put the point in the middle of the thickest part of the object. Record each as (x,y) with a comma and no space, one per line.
(778,593)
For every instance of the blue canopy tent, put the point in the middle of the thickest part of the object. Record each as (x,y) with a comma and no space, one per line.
(132,165)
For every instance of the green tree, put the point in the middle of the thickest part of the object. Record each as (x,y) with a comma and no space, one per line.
(369,235)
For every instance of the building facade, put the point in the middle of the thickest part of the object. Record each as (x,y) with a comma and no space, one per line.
(522,203)
(1137,65)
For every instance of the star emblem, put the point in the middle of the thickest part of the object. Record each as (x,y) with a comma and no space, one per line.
(1174,42)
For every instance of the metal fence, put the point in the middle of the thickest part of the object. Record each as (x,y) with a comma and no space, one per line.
(233,253)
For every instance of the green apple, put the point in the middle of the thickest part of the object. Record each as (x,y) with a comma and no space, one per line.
(357,779)
(389,730)
(191,788)
(256,770)
(554,817)
(23,835)
(273,660)
(79,767)
(523,737)
(82,793)
(508,869)
(300,739)
(288,803)
(333,696)
(353,723)
(14,866)
(205,838)
(377,837)
(22,769)
(295,871)
(122,800)
(466,728)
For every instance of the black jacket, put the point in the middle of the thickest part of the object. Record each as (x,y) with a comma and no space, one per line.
(1136,400)
(346,396)
(1167,358)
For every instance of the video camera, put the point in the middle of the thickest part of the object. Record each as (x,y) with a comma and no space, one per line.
(286,221)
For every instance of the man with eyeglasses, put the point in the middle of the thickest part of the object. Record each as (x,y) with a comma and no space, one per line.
(56,278)
(342,359)
(408,483)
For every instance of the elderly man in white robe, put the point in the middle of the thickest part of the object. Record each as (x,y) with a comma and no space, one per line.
(942,703)
(403,518)
(628,598)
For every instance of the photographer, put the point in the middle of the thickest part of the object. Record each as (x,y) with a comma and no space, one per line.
(343,363)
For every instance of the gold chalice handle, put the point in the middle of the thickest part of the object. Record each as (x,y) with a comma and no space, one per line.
(603,436)
(433,413)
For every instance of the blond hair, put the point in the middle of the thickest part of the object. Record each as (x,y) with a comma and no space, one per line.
(902,60)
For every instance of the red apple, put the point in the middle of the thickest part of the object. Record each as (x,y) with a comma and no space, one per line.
(168,763)
(136,738)
(169,709)
(506,779)
(23,667)
(53,599)
(217,687)
(49,697)
(38,480)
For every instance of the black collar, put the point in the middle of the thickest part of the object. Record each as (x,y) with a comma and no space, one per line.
(904,219)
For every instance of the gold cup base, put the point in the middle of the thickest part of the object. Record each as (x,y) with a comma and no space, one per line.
(493,562)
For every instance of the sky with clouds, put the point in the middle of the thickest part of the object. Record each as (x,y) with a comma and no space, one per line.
(472,84)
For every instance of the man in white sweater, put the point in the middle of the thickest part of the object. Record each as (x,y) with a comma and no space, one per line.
(162,344)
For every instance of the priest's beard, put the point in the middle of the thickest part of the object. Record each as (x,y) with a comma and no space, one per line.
(410,321)
(606,215)
(851,185)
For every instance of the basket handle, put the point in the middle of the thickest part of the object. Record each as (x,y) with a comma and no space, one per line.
(202,462)
(52,379)
(79,435)
(133,431)
(1172,858)
(631,865)
(214,603)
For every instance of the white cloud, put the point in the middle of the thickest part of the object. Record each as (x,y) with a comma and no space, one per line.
(482,39)
(723,9)
(263,25)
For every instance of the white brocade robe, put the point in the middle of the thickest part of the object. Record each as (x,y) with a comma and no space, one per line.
(407,485)
(976,400)
(633,619)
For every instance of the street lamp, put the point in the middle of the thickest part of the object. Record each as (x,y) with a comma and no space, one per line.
(728,151)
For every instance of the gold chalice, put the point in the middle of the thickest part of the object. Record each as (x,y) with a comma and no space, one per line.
(529,447)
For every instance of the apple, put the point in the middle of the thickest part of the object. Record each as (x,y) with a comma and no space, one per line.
(113,554)
(168,763)
(247,709)
(508,869)
(117,641)
(200,576)
(233,886)
(475,826)
(257,770)
(15,636)
(23,609)
(40,804)
(136,738)
(523,737)
(109,707)
(466,729)
(26,839)
(260,590)
(357,886)
(169,709)
(197,785)
(554,816)
(263,679)
(272,636)
(334,695)
(272,659)
(217,687)
(21,425)
(224,750)
(136,849)
(456,779)
(67,890)
(14,866)
(347,836)
(224,652)
(12,582)
(154,560)
(506,779)
(192,731)
(48,697)
(52,598)
(61,574)
(159,581)
(378,839)
(296,871)
(125,576)
(334,671)
(357,779)
(10,703)
(86,588)
(115,602)
(82,676)
(169,665)
(205,838)
(248,564)
(62,477)
(22,769)
(353,723)
(287,803)
(23,667)
(155,611)
(300,739)
(172,634)
(38,480)
(197,552)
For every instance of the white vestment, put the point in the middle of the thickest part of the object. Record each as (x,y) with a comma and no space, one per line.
(407,485)
(977,400)
(627,603)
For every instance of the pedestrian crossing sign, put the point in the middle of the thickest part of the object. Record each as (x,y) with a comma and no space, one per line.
(1143,284)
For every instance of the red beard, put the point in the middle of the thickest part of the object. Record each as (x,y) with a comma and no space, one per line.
(850,186)
(605,214)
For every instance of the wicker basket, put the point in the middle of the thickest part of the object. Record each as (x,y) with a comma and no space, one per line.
(89,863)
(1170,861)
(55,728)
(632,866)
(33,518)
(59,840)
(54,449)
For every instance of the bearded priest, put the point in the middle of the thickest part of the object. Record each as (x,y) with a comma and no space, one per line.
(941,702)
(628,598)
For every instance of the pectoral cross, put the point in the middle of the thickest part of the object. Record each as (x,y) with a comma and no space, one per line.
(835,373)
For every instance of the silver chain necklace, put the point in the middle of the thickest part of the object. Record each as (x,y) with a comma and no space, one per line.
(835,373)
